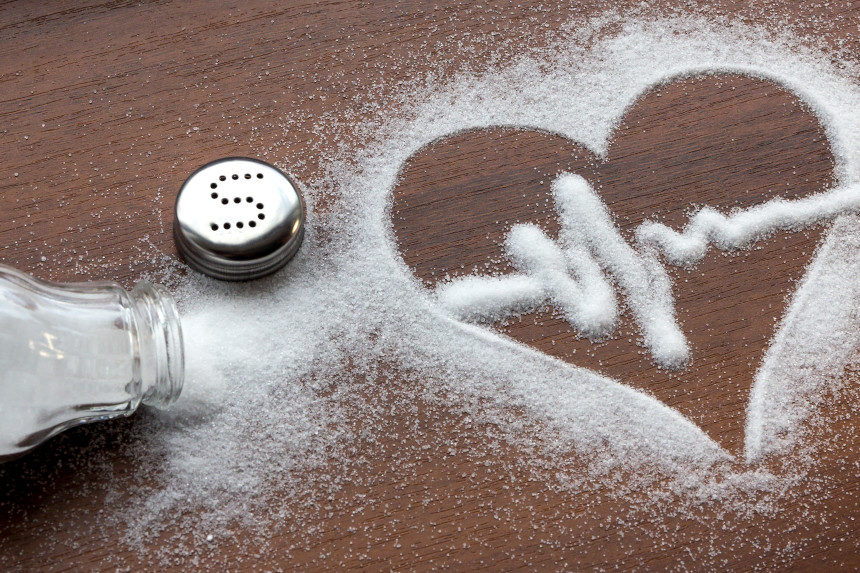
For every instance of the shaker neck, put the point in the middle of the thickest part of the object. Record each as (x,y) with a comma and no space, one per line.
(160,344)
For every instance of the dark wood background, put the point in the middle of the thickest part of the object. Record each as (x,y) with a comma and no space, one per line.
(106,107)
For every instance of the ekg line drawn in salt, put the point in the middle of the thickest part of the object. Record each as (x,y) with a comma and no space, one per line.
(571,273)
(710,227)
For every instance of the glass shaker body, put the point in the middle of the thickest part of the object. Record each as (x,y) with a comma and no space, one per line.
(77,353)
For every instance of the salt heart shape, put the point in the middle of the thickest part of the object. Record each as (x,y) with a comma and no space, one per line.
(724,141)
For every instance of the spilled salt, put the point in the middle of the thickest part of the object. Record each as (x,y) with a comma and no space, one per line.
(275,367)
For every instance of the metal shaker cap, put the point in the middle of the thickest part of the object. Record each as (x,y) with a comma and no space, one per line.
(238,219)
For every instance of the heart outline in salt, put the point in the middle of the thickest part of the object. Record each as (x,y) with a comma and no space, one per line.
(753,447)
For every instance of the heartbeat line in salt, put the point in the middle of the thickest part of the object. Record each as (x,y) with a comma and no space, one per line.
(571,273)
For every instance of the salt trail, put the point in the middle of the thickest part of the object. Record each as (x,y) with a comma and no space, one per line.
(590,243)
(740,229)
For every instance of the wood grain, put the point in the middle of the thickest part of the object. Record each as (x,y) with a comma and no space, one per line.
(107,106)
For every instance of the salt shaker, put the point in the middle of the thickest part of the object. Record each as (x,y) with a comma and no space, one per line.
(77,353)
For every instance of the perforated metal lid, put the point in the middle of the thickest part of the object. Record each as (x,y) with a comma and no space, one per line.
(238,219)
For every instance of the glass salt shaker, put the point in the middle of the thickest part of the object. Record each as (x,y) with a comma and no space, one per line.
(77,353)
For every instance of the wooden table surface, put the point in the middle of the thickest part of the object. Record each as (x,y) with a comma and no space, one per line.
(106,107)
